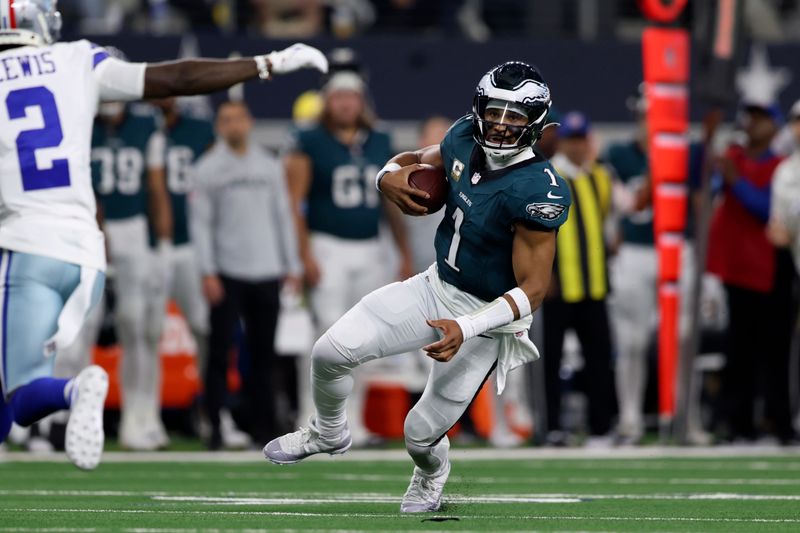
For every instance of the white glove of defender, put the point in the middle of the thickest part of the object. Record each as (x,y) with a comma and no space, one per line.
(296,57)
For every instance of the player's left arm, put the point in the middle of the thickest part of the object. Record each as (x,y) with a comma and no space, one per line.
(533,253)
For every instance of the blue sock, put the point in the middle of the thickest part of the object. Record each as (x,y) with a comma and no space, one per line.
(6,418)
(39,398)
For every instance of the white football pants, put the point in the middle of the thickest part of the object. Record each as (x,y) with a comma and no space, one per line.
(185,287)
(390,321)
(634,310)
(130,255)
(349,269)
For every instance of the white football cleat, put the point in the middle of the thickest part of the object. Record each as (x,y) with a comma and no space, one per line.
(294,447)
(424,493)
(296,57)
(84,436)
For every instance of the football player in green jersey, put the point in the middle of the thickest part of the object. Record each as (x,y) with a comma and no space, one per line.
(471,310)
(128,174)
(330,170)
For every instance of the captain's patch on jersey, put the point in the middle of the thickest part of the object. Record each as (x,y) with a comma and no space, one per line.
(545,211)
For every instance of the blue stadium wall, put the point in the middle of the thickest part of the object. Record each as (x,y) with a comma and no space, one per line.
(414,77)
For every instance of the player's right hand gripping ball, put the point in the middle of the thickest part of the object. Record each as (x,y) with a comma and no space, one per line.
(295,57)
(433,181)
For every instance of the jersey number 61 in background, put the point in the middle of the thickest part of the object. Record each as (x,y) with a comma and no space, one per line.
(49,136)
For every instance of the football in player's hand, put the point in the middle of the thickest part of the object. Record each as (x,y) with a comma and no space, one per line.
(433,181)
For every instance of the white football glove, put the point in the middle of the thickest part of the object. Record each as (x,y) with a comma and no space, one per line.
(296,57)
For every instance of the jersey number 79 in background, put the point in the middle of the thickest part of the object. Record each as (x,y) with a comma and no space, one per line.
(49,136)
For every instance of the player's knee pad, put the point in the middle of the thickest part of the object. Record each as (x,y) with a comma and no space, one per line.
(419,431)
(325,351)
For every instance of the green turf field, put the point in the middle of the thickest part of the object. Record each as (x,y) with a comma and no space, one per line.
(527,493)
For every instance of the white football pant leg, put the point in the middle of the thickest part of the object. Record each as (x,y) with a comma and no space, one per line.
(187,289)
(386,322)
(350,269)
(634,308)
(141,369)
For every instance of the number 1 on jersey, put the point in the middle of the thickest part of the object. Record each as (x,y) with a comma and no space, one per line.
(458,216)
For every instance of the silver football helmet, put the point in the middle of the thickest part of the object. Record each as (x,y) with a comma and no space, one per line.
(29,22)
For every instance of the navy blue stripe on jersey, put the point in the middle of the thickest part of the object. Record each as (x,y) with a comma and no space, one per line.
(99,57)
(6,297)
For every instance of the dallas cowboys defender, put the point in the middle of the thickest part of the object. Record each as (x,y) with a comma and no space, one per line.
(470,311)
(52,253)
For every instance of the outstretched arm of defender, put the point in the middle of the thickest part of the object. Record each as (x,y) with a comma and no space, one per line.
(202,76)
(119,80)
(532,258)
(392,180)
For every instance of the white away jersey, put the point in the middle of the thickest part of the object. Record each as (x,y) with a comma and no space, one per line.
(48,100)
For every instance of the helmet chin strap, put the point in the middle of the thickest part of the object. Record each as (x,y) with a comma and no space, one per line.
(496,159)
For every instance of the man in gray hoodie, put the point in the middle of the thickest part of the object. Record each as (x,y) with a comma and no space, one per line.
(242,227)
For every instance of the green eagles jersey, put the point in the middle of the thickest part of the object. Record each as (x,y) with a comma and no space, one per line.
(474,240)
(630,164)
(119,164)
(342,200)
(186,141)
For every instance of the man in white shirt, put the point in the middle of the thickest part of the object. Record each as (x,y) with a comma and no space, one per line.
(53,256)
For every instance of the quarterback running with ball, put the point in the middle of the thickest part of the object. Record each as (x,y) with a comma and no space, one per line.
(471,310)
(52,254)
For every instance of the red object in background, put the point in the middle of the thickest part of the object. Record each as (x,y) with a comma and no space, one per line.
(669,158)
(666,55)
(669,256)
(667,107)
(668,300)
(738,249)
(180,381)
(672,203)
(659,11)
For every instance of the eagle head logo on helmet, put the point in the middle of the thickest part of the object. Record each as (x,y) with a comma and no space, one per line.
(509,109)
(29,22)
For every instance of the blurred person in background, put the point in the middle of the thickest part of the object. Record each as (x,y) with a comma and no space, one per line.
(330,169)
(187,138)
(129,179)
(633,301)
(242,228)
(758,280)
(579,287)
(784,220)
(289,19)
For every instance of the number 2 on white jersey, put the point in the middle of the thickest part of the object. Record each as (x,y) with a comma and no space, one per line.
(458,216)
(29,141)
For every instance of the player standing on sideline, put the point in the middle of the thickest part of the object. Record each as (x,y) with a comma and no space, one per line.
(53,257)
(187,138)
(337,210)
(470,311)
(128,176)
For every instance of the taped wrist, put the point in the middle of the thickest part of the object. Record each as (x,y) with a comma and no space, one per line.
(390,167)
(496,314)
(522,301)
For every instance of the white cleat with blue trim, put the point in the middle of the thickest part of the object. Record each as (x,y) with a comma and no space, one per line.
(84,436)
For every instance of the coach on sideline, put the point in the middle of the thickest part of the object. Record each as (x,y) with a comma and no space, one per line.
(242,227)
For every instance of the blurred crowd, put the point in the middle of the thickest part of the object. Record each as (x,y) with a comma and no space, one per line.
(767,20)
(262,252)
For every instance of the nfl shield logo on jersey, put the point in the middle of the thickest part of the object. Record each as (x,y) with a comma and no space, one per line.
(476,178)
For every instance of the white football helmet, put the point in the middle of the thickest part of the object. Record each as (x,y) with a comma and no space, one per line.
(29,22)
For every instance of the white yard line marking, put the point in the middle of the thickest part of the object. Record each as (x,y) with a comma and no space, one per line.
(407,517)
(475,454)
(369,499)
(275,498)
